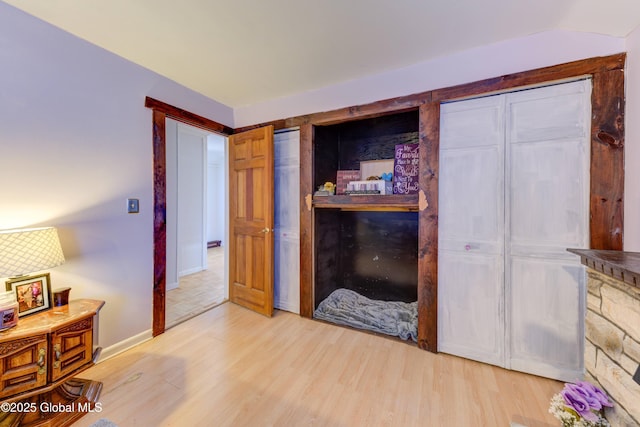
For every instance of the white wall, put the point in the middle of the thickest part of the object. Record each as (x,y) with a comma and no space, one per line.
(191,178)
(75,142)
(183,195)
(171,219)
(526,53)
(632,146)
(216,184)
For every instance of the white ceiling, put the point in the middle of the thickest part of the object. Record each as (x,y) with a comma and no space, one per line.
(242,52)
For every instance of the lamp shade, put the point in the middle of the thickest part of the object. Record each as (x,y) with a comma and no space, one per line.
(28,250)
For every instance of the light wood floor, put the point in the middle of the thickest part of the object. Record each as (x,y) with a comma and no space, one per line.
(197,292)
(232,367)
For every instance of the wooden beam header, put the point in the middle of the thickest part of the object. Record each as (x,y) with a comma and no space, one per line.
(187,117)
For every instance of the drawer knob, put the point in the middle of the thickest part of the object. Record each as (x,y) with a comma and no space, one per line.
(41,361)
(57,353)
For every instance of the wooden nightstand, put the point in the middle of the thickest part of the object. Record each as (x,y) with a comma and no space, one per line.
(38,360)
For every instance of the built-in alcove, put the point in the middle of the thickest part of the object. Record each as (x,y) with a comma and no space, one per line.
(372,253)
(366,246)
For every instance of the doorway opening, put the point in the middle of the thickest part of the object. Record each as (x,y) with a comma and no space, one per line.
(196,221)
(161,111)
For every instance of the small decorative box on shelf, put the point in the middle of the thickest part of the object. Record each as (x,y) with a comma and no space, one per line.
(361,192)
(377,186)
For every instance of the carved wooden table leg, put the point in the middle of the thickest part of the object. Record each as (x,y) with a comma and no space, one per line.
(59,407)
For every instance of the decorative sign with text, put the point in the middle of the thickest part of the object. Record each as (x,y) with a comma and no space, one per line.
(405,169)
(344,177)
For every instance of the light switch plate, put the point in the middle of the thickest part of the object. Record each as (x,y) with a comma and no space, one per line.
(133,206)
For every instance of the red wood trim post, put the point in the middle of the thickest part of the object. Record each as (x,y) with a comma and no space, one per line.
(429,140)
(159,222)
(607,161)
(306,221)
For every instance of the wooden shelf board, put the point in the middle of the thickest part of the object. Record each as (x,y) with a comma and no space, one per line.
(391,202)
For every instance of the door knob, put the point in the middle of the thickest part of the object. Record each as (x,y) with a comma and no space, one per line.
(265,230)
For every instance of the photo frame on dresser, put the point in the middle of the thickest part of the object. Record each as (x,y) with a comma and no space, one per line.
(33,293)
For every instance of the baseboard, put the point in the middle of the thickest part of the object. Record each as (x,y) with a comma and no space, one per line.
(125,345)
(190,271)
(171,286)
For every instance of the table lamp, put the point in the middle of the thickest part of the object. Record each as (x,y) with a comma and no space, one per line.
(24,251)
(29,250)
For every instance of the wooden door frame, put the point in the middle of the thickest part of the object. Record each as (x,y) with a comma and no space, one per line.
(162,111)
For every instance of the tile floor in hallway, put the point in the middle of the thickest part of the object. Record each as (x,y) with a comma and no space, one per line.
(197,292)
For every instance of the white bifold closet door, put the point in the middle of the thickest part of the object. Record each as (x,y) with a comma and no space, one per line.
(287,220)
(513,196)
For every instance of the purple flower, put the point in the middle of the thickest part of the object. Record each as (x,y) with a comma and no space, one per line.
(587,394)
(576,401)
(596,393)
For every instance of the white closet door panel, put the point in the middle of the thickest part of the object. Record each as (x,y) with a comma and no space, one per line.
(287,221)
(470,202)
(286,148)
(546,320)
(548,197)
(287,192)
(471,246)
(551,112)
(470,310)
(287,272)
(471,230)
(287,239)
(547,212)
(472,123)
(287,180)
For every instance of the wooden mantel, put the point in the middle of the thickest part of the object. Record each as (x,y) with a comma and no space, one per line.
(623,266)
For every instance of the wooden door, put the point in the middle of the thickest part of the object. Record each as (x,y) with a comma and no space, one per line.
(251,207)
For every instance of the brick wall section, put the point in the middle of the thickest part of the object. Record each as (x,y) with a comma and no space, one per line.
(612,347)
